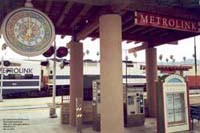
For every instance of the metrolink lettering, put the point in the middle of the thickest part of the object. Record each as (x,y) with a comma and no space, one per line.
(166,22)
(17,70)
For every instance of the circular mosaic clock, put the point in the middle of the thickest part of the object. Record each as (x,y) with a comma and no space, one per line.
(28,31)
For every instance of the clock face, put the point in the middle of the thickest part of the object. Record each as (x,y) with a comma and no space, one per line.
(28,31)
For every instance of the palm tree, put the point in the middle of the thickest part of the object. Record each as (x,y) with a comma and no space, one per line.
(87,52)
(160,57)
(167,60)
(184,59)
(135,55)
(174,60)
(171,57)
(97,53)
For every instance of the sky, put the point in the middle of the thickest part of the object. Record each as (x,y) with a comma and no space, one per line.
(184,48)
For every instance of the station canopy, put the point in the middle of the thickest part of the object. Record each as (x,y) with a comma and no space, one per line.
(153,21)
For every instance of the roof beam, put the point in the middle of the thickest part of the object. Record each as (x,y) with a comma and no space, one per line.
(129,41)
(128,27)
(138,30)
(64,12)
(48,6)
(143,46)
(136,42)
(91,2)
(87,30)
(157,32)
(173,42)
(126,20)
(83,12)
(104,2)
(93,38)
(170,38)
(154,7)
(135,37)
(147,31)
(118,6)
(90,27)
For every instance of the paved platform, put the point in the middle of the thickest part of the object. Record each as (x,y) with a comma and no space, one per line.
(36,120)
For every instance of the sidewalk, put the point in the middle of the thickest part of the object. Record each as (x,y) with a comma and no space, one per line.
(36,120)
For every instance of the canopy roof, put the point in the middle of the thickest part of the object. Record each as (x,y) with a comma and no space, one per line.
(80,18)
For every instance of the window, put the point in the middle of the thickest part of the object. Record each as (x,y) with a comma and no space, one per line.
(11,76)
(18,76)
(130,100)
(175,108)
(28,76)
(14,76)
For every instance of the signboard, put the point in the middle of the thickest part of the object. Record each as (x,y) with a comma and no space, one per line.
(160,21)
(172,106)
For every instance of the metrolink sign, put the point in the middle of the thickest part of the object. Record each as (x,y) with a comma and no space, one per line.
(156,20)
(17,70)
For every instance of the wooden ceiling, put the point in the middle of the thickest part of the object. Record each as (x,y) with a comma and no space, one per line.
(80,18)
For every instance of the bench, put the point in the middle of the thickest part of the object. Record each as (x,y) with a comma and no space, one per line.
(195,113)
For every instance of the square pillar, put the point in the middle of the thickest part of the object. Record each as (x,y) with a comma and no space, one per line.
(151,76)
(76,78)
(111,106)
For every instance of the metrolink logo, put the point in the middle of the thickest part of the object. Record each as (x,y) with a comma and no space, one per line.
(155,20)
(17,70)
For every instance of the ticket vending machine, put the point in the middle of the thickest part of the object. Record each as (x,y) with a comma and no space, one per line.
(135,101)
(133,105)
(172,104)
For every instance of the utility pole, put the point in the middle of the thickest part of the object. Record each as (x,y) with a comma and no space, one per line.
(195,61)
(53,108)
(1,90)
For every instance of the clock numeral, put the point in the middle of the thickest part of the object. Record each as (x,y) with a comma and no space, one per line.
(36,41)
(17,24)
(23,20)
(40,38)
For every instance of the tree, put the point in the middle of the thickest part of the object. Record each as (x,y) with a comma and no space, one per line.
(171,57)
(160,57)
(184,59)
(135,54)
(87,52)
(97,53)
(167,60)
(174,60)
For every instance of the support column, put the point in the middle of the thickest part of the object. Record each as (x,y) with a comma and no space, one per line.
(111,74)
(151,76)
(76,78)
